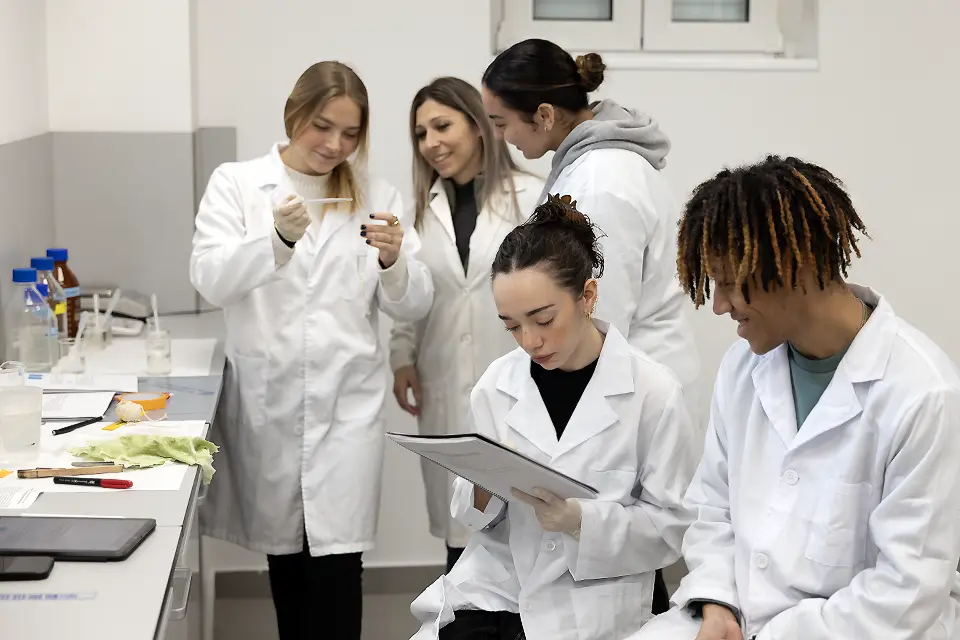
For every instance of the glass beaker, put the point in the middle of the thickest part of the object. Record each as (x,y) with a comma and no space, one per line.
(72,356)
(159,350)
(13,374)
(20,416)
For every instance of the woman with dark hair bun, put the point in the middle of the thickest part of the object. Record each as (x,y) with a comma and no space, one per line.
(609,159)
(577,397)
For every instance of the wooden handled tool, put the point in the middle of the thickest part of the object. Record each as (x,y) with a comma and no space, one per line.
(68,471)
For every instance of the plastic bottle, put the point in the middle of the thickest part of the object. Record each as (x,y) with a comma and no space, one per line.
(53,333)
(30,324)
(57,298)
(71,288)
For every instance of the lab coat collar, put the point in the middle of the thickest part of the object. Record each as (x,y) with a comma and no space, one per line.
(271,173)
(593,414)
(865,361)
(484,233)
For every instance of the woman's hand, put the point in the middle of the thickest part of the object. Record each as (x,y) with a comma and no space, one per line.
(406,378)
(553,513)
(719,623)
(386,237)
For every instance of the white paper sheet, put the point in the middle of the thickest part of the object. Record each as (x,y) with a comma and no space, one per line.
(18,498)
(58,382)
(74,406)
(492,466)
(54,454)
(190,357)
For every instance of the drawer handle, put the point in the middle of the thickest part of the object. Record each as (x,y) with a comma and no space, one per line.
(202,492)
(179,593)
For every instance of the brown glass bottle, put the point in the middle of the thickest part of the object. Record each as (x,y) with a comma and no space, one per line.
(71,287)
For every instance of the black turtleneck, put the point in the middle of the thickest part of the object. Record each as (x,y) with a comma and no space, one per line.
(464,208)
(561,391)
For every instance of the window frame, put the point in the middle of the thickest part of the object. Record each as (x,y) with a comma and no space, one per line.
(760,34)
(645,26)
(623,33)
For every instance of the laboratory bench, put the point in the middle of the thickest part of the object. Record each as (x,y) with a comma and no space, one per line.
(148,595)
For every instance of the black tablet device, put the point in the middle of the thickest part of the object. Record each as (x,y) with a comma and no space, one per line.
(66,538)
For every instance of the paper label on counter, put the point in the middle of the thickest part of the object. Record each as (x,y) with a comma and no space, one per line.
(34,597)
(18,498)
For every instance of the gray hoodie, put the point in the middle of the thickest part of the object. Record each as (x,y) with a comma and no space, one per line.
(612,127)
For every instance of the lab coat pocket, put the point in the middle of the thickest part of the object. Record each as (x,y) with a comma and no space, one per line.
(838,533)
(611,610)
(245,388)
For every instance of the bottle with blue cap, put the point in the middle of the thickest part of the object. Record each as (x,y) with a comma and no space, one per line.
(57,297)
(31,327)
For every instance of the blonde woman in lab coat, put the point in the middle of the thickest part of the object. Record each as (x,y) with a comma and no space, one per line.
(829,491)
(469,195)
(576,397)
(608,159)
(300,284)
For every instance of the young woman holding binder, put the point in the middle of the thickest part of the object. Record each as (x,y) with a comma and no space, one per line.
(576,397)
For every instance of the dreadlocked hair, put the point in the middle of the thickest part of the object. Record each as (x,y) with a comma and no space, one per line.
(767,220)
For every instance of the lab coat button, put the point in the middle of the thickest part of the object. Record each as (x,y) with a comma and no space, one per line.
(528,608)
(551,545)
(791,477)
(298,430)
(762,561)
(466,338)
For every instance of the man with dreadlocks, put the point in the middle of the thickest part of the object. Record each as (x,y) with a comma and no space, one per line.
(828,495)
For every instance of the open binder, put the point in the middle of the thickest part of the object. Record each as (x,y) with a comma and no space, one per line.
(492,466)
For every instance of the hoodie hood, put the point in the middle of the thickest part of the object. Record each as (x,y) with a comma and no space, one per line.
(612,127)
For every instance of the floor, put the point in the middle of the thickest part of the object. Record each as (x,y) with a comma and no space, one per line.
(386,617)
(245,612)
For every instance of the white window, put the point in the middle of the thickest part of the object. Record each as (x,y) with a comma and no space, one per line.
(574,24)
(658,26)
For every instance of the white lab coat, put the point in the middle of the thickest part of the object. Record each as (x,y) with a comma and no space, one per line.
(461,336)
(632,204)
(847,528)
(631,438)
(299,421)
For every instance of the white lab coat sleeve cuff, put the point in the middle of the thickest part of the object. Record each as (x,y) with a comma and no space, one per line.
(401,358)
(692,590)
(405,290)
(395,279)
(403,345)
(282,254)
(462,509)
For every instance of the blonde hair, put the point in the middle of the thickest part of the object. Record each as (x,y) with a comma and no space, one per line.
(315,88)
(498,166)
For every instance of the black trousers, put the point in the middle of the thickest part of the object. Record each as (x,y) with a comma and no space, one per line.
(453,554)
(501,625)
(318,597)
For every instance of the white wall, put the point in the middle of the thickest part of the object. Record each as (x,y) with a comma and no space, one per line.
(23,70)
(880,113)
(119,65)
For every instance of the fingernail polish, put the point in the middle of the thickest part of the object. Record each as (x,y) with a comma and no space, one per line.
(363,233)
(363,226)
(368,242)
(371,215)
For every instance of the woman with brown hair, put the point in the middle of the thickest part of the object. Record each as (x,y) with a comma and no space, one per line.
(469,195)
(300,279)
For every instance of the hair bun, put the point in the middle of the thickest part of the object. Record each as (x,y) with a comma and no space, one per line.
(591,68)
(561,211)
